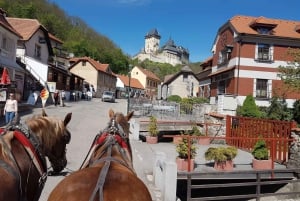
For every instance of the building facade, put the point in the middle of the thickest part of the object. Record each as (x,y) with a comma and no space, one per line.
(247,52)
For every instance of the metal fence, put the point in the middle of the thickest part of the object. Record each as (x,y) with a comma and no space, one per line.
(260,180)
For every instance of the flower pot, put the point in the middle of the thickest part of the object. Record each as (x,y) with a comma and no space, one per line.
(204,141)
(224,166)
(182,164)
(151,139)
(261,164)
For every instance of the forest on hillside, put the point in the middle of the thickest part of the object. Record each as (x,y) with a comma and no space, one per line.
(81,39)
(77,36)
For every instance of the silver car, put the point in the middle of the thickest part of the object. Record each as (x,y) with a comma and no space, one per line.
(108,96)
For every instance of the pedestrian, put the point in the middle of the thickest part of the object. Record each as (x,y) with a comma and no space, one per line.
(63,98)
(10,108)
(56,98)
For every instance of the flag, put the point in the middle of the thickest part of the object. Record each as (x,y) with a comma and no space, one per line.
(44,94)
(5,77)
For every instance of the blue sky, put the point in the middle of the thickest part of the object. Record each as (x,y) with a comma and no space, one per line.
(192,24)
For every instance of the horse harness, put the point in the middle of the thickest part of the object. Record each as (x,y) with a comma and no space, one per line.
(112,135)
(32,146)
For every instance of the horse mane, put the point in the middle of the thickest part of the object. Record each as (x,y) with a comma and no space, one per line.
(45,127)
(5,144)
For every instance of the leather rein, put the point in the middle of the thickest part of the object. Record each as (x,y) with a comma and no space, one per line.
(111,136)
(32,146)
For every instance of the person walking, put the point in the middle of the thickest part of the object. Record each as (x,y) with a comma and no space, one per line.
(56,98)
(10,108)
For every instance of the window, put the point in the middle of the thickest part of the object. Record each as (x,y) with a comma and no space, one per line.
(225,55)
(264,52)
(185,77)
(221,87)
(262,88)
(83,63)
(37,51)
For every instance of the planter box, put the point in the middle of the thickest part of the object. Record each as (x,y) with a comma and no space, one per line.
(151,139)
(224,166)
(182,164)
(262,164)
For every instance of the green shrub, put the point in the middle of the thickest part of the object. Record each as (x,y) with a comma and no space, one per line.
(182,149)
(296,111)
(174,98)
(249,108)
(260,150)
(152,127)
(220,154)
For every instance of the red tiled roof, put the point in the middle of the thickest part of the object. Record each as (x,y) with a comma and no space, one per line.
(282,28)
(51,36)
(149,74)
(26,27)
(97,65)
(4,23)
(134,83)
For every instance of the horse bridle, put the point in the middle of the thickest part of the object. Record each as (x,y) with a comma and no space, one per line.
(112,135)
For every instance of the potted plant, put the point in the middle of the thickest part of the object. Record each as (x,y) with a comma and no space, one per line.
(203,139)
(152,138)
(183,154)
(222,157)
(260,152)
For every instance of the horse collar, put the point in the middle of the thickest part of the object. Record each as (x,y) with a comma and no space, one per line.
(32,145)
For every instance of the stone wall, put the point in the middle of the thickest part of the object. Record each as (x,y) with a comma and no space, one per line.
(294,158)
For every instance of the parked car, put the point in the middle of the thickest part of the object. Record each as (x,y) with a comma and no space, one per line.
(108,96)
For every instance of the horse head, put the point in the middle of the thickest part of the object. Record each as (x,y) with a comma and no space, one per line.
(116,133)
(54,136)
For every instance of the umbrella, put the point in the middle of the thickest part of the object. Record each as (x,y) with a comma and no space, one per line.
(5,77)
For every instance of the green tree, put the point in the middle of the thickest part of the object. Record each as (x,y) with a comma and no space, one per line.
(278,110)
(249,108)
(296,111)
(290,74)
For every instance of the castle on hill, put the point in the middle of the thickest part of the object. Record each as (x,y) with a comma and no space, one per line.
(168,53)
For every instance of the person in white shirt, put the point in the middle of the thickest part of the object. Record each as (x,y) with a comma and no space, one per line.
(10,108)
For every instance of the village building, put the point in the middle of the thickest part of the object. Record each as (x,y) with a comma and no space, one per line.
(247,52)
(184,84)
(148,80)
(98,77)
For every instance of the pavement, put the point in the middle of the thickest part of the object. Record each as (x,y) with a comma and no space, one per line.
(91,116)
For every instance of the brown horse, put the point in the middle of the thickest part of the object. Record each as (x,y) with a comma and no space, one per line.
(23,148)
(107,174)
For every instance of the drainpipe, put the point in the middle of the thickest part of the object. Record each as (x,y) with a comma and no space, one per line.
(238,67)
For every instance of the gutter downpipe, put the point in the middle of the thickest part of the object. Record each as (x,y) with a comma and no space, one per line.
(238,67)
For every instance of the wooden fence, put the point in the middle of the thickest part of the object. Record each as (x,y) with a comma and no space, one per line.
(243,132)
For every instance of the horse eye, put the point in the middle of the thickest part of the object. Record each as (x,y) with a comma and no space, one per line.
(67,137)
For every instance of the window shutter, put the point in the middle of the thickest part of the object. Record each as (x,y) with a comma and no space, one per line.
(256,51)
(254,87)
(271,52)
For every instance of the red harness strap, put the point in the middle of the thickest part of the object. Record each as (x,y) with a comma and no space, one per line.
(118,139)
(29,148)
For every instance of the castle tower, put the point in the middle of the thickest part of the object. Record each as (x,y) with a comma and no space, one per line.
(152,40)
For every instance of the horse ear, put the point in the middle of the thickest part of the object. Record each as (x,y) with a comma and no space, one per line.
(111,113)
(44,113)
(129,115)
(68,118)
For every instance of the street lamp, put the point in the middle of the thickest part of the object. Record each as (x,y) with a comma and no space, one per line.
(129,89)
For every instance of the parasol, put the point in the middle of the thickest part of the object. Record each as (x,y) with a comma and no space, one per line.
(5,77)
